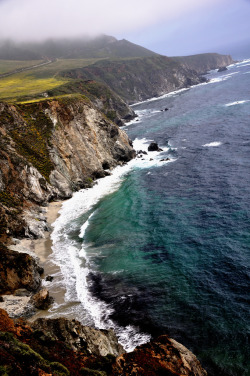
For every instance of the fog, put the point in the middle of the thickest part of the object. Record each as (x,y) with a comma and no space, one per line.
(35,19)
(168,27)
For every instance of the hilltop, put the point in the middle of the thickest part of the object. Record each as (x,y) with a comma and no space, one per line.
(81,48)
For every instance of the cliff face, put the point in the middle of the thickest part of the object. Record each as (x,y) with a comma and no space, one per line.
(203,63)
(65,347)
(142,78)
(105,99)
(138,79)
(48,150)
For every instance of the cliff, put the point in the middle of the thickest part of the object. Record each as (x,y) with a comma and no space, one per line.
(142,78)
(203,63)
(49,149)
(65,347)
(138,79)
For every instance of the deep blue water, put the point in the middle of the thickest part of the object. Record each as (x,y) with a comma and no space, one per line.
(170,248)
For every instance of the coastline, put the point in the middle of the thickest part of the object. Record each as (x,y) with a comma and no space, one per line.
(40,249)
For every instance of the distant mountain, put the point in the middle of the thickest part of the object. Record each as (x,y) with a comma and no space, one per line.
(101,47)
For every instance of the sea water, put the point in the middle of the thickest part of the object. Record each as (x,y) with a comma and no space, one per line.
(163,244)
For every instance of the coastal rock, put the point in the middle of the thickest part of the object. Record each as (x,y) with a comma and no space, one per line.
(41,300)
(77,336)
(67,347)
(49,278)
(222,69)
(163,356)
(154,147)
(18,270)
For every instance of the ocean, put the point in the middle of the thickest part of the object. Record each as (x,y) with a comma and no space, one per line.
(162,246)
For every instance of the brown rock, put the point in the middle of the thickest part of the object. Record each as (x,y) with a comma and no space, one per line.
(6,323)
(78,337)
(163,356)
(17,270)
(41,299)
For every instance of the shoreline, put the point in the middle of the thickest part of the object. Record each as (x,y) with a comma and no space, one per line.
(40,249)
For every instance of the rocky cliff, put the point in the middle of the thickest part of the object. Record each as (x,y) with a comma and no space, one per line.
(65,347)
(142,78)
(48,150)
(138,79)
(203,63)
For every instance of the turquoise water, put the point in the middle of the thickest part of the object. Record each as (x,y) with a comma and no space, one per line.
(166,250)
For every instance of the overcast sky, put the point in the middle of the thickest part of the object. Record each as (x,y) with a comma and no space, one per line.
(169,27)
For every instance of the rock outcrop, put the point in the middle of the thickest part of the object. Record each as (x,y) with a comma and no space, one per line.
(163,356)
(65,347)
(76,336)
(18,270)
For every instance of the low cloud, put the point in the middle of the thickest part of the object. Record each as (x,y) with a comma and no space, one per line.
(40,19)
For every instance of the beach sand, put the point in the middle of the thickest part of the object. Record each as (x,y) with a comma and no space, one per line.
(40,249)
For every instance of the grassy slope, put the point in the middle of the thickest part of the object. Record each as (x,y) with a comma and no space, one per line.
(11,65)
(38,80)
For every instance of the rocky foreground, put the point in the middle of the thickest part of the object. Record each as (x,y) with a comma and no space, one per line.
(65,347)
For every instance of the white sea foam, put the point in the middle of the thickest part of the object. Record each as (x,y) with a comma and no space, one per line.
(212,144)
(74,260)
(239,63)
(222,78)
(172,93)
(236,103)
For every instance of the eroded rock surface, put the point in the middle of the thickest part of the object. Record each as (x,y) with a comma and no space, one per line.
(163,356)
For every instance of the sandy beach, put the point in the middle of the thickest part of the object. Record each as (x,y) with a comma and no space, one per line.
(41,250)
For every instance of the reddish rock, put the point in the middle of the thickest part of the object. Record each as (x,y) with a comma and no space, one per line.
(6,323)
(162,356)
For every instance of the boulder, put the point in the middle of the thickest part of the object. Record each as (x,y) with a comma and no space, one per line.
(41,299)
(164,159)
(154,147)
(49,278)
(222,69)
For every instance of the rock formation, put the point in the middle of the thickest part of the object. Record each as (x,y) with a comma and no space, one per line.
(65,347)
(48,150)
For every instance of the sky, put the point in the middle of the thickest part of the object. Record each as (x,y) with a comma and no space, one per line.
(169,27)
